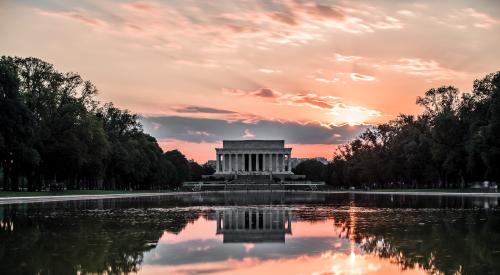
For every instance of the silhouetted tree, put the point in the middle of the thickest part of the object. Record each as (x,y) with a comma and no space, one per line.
(312,169)
(454,142)
(53,130)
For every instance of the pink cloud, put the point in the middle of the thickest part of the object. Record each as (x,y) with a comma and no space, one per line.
(283,18)
(79,16)
(430,69)
(346,58)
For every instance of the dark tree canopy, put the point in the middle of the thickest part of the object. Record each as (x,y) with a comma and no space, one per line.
(452,144)
(55,131)
(312,169)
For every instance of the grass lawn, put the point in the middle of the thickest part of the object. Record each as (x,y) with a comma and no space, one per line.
(6,194)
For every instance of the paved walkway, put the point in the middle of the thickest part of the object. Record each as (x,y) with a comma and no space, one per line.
(32,199)
(428,193)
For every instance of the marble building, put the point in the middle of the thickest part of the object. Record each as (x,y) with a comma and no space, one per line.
(253,157)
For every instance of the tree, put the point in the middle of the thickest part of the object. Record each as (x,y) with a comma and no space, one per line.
(16,152)
(313,169)
(181,165)
(53,130)
(454,142)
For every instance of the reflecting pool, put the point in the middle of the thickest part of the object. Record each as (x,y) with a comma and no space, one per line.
(254,233)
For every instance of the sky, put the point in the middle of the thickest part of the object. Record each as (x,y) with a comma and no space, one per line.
(315,73)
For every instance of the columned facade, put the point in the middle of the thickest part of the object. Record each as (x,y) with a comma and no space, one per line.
(253,157)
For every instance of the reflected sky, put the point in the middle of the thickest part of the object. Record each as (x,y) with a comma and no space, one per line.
(313,248)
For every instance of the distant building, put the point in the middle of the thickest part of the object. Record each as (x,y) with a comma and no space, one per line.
(261,161)
(211,163)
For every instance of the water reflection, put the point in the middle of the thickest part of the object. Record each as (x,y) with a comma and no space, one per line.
(243,234)
(253,225)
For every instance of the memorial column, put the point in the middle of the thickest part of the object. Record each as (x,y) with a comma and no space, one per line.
(264,162)
(283,162)
(276,162)
(250,162)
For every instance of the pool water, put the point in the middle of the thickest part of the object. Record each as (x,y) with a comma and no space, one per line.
(254,233)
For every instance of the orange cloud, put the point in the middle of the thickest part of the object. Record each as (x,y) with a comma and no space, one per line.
(361,77)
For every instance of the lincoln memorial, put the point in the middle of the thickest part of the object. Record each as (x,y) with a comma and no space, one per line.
(253,157)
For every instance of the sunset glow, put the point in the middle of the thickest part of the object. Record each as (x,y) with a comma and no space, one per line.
(344,257)
(317,71)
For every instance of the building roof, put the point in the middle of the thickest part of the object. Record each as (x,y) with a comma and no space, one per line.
(252,144)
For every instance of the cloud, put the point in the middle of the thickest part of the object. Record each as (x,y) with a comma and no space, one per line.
(346,58)
(77,15)
(466,17)
(248,134)
(311,100)
(361,77)
(200,133)
(212,113)
(268,71)
(214,130)
(142,6)
(430,69)
(200,109)
(352,115)
(324,11)
(324,80)
(482,20)
(406,13)
(266,92)
(262,93)
(284,18)
(167,26)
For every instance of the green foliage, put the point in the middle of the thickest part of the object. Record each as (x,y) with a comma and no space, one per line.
(312,169)
(53,130)
(181,165)
(453,143)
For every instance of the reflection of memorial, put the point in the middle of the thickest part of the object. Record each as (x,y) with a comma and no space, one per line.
(254,225)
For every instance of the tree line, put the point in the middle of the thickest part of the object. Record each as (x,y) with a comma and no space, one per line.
(53,130)
(453,143)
